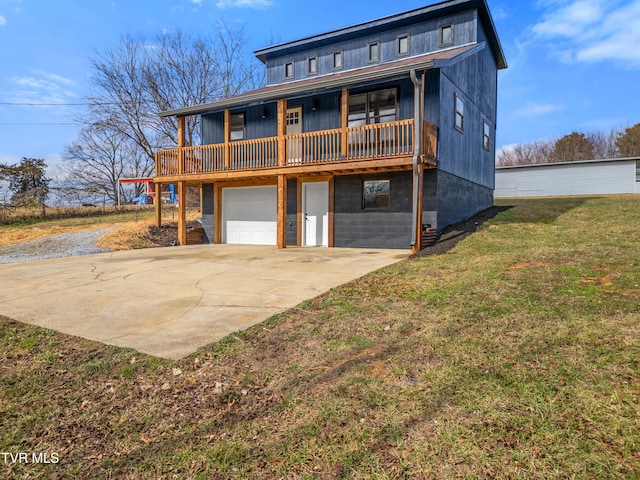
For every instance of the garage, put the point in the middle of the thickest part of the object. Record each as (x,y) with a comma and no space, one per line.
(249,215)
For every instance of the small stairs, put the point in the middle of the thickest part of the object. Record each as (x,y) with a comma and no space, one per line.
(429,235)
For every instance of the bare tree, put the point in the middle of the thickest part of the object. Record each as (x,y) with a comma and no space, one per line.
(604,144)
(98,160)
(136,80)
(526,153)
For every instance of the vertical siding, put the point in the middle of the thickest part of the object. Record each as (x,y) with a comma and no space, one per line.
(461,153)
(212,126)
(593,178)
(423,38)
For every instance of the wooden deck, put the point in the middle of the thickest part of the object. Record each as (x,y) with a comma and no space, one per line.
(380,145)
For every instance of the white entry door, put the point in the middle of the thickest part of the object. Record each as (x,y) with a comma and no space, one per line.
(249,215)
(315,214)
(294,127)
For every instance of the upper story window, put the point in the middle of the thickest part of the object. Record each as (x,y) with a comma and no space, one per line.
(312,65)
(372,107)
(288,70)
(237,127)
(459,123)
(486,135)
(373,52)
(446,35)
(337,60)
(402,47)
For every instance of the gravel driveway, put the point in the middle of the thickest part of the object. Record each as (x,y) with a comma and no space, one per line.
(81,242)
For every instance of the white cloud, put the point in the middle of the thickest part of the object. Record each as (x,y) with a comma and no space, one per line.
(3,21)
(243,3)
(537,109)
(592,30)
(43,87)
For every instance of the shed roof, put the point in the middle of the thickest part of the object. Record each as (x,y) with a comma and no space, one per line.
(438,59)
(574,162)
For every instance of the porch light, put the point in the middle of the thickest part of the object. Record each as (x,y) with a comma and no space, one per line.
(265,113)
(314,104)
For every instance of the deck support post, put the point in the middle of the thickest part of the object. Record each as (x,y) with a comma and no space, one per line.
(182,213)
(282,212)
(158,204)
(181,144)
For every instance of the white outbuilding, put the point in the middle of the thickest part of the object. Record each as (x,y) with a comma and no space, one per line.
(586,177)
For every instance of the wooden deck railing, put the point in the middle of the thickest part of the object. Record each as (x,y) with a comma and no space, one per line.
(382,140)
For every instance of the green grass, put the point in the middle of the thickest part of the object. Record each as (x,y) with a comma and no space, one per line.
(514,355)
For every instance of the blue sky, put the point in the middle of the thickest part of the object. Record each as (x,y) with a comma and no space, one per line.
(573,64)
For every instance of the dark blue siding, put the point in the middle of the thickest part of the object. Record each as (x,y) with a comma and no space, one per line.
(461,153)
(326,115)
(212,126)
(423,38)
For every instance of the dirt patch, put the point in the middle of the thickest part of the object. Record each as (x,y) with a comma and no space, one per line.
(135,235)
(452,234)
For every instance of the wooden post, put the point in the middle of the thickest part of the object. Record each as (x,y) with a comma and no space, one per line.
(344,121)
(182,213)
(158,205)
(282,130)
(217,213)
(181,144)
(418,245)
(227,139)
(282,212)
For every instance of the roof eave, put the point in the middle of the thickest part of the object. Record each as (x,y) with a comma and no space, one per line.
(327,82)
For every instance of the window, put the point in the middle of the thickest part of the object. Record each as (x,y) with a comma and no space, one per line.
(459,113)
(446,35)
(288,70)
(337,60)
(312,65)
(372,107)
(375,194)
(373,52)
(403,45)
(486,135)
(237,127)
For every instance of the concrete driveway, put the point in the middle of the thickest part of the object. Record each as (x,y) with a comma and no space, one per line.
(169,301)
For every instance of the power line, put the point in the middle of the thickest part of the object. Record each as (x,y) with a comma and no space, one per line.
(38,123)
(25,104)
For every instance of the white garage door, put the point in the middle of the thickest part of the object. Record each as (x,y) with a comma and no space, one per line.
(249,215)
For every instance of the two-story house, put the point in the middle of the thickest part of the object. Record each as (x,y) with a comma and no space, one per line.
(362,136)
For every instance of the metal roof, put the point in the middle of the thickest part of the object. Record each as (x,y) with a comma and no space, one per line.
(438,59)
(573,162)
